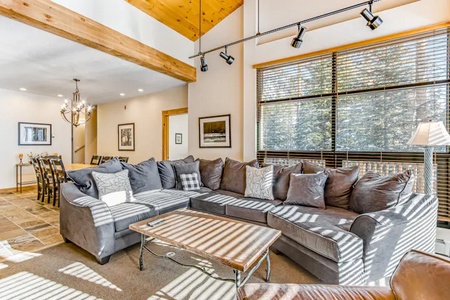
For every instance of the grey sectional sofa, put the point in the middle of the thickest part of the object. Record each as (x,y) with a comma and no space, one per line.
(337,245)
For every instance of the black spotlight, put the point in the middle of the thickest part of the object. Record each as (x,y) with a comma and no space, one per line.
(298,40)
(228,58)
(204,66)
(372,21)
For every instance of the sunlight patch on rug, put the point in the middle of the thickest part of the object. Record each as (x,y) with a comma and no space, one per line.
(194,284)
(16,256)
(25,285)
(82,271)
(3,266)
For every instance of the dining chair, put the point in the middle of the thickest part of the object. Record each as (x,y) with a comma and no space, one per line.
(96,159)
(123,158)
(106,158)
(59,176)
(41,187)
(48,178)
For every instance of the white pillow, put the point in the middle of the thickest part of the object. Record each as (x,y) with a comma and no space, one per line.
(259,182)
(113,188)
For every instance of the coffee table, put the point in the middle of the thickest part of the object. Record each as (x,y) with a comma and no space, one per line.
(239,245)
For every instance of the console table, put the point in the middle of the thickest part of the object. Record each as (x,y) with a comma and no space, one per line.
(19,179)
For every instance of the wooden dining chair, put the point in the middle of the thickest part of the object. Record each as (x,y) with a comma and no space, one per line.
(48,178)
(59,176)
(106,158)
(41,186)
(96,159)
(123,158)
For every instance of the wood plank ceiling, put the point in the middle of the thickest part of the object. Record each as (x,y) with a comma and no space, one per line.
(182,15)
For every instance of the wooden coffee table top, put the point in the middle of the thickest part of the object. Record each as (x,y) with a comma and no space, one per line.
(233,243)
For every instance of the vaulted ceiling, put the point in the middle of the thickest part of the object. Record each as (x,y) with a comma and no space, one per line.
(182,15)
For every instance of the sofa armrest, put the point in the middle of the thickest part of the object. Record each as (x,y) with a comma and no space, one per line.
(86,221)
(388,234)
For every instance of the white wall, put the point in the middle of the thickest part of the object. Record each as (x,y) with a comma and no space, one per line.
(178,124)
(145,112)
(24,107)
(232,89)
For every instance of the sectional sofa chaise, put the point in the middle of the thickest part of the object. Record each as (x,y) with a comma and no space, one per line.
(340,243)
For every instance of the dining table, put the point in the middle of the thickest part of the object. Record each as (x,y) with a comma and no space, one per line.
(73,167)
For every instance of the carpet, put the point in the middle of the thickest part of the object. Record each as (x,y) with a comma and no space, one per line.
(67,272)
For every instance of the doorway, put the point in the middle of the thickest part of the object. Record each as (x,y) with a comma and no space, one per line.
(175,133)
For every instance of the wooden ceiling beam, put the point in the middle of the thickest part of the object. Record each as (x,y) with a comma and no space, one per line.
(56,19)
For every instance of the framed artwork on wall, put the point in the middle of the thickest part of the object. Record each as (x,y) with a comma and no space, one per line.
(178,138)
(126,137)
(215,131)
(35,134)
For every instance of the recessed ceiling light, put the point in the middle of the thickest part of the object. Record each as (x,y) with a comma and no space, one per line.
(140,90)
(23,89)
(122,94)
(60,96)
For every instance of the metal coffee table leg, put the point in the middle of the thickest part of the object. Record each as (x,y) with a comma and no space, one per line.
(141,252)
(268,267)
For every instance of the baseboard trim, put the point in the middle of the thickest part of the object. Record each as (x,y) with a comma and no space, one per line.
(13,189)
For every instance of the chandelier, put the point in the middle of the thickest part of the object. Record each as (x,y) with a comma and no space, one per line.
(76,112)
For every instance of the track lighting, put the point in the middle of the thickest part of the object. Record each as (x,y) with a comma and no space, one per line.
(298,40)
(228,58)
(204,66)
(372,21)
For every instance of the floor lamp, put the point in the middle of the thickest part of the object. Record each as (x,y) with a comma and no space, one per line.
(430,134)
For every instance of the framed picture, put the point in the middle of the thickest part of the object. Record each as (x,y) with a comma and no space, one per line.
(35,134)
(215,132)
(178,138)
(126,137)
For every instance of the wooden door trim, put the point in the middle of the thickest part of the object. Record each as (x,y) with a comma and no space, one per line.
(165,128)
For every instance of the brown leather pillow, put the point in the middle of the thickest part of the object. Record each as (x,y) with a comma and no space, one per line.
(374,192)
(307,190)
(281,179)
(339,186)
(211,172)
(310,168)
(234,175)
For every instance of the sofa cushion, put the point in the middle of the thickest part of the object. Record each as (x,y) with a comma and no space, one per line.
(281,177)
(165,200)
(85,182)
(128,213)
(252,209)
(339,186)
(143,176)
(185,168)
(318,230)
(307,189)
(113,188)
(259,182)
(310,168)
(211,172)
(214,202)
(234,175)
(374,192)
(190,182)
(166,172)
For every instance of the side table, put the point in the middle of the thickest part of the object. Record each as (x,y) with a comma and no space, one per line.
(19,179)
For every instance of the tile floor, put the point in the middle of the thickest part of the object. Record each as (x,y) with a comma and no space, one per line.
(26,224)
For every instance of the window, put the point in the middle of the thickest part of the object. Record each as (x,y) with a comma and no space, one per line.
(361,104)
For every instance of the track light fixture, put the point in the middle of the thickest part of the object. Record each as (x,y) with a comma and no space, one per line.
(228,58)
(373,22)
(204,66)
(298,40)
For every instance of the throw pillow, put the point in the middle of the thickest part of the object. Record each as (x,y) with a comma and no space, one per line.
(259,182)
(84,180)
(166,171)
(310,168)
(113,188)
(143,176)
(186,168)
(339,186)
(374,192)
(211,172)
(307,190)
(234,174)
(281,176)
(190,182)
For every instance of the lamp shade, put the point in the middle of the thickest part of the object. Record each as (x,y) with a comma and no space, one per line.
(430,133)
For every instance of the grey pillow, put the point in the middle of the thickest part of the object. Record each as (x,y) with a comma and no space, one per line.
(84,180)
(339,186)
(374,192)
(310,168)
(110,183)
(281,177)
(186,168)
(307,190)
(166,173)
(143,176)
(234,175)
(259,182)
(211,172)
